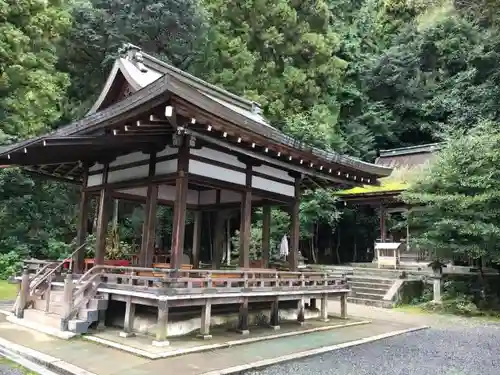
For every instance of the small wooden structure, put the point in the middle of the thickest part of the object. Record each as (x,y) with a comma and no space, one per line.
(388,253)
(387,196)
(160,136)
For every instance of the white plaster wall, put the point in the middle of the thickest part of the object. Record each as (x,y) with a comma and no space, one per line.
(226,196)
(167,151)
(129,173)
(96,167)
(165,192)
(270,171)
(217,155)
(219,173)
(273,186)
(138,191)
(165,167)
(130,158)
(95,179)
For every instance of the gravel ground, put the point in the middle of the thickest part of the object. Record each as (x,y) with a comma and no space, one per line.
(9,369)
(460,350)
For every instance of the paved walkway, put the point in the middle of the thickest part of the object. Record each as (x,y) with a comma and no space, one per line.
(452,350)
(108,361)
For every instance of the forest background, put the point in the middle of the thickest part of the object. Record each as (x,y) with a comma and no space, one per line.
(354,76)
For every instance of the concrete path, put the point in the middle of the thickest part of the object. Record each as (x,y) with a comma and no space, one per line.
(451,350)
(102,360)
(451,346)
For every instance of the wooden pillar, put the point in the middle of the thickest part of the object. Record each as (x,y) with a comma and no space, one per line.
(162,325)
(83,223)
(24,293)
(149,225)
(218,251)
(301,311)
(246,220)
(408,247)
(103,218)
(275,315)
(343,306)
(205,320)
(128,322)
(197,238)
(243,318)
(180,204)
(266,234)
(295,227)
(382,223)
(324,307)
(67,300)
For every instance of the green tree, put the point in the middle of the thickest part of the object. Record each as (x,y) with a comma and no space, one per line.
(172,30)
(461,197)
(282,55)
(31,88)
(35,216)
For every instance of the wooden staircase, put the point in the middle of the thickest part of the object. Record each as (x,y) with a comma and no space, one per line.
(51,299)
(51,312)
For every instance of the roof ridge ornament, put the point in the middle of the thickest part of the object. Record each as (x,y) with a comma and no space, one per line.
(133,53)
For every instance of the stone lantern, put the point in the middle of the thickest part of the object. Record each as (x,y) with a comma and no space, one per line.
(437,279)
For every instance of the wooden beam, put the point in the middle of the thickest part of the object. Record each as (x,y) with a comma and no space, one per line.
(383,232)
(218,239)
(102,219)
(295,227)
(197,238)
(181,188)
(82,229)
(149,225)
(266,234)
(246,220)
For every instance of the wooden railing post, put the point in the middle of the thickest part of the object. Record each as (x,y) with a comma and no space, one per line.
(209,280)
(47,293)
(68,300)
(245,279)
(23,293)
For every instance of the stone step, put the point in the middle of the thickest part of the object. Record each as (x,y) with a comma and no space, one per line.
(362,285)
(384,273)
(78,326)
(371,302)
(98,304)
(44,319)
(374,290)
(89,315)
(55,307)
(370,296)
(370,280)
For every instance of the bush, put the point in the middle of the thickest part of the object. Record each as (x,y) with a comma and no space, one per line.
(461,297)
(10,264)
